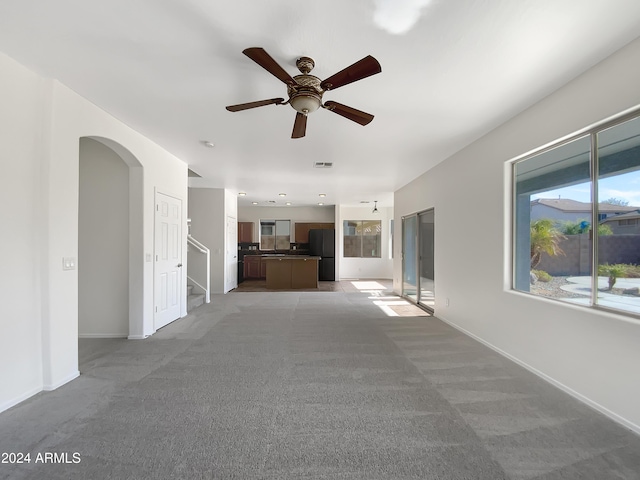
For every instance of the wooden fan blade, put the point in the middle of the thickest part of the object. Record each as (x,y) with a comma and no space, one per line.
(262,58)
(299,126)
(260,103)
(361,69)
(352,114)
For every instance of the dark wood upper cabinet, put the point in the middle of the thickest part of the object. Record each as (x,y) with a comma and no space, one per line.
(245,232)
(302,230)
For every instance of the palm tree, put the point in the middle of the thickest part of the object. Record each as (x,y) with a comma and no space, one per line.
(613,272)
(545,238)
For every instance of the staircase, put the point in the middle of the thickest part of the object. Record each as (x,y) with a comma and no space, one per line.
(194,300)
(198,272)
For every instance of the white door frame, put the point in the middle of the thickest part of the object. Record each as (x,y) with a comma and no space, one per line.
(162,317)
(231,254)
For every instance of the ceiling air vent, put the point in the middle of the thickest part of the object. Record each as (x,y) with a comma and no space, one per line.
(322,164)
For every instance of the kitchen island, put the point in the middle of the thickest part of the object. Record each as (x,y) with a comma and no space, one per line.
(287,272)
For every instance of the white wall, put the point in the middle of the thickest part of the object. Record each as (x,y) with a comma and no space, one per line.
(321,213)
(41,122)
(364,267)
(593,355)
(208,226)
(103,242)
(22,94)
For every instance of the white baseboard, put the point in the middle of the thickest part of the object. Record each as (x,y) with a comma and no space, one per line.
(20,398)
(595,405)
(70,377)
(102,335)
(137,337)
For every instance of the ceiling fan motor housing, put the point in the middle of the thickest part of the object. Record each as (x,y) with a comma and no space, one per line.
(306,96)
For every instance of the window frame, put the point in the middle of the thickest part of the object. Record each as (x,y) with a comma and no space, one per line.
(361,236)
(628,222)
(592,132)
(267,223)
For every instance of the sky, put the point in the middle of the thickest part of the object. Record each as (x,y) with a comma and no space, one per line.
(624,187)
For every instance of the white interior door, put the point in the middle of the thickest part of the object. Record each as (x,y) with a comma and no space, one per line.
(168,259)
(232,254)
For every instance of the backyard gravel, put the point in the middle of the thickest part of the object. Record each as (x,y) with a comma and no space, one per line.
(552,289)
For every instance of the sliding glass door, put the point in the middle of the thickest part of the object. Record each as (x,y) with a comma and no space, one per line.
(426,259)
(409,257)
(418,254)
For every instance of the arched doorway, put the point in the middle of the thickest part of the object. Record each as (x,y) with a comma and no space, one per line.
(110,248)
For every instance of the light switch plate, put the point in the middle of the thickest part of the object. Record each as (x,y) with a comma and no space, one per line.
(68,263)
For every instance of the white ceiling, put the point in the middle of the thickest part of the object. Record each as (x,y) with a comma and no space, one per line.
(451,71)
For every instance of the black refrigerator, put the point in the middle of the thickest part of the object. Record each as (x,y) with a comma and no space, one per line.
(322,243)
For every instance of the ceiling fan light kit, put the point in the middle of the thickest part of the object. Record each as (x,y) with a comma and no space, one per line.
(305,91)
(305,103)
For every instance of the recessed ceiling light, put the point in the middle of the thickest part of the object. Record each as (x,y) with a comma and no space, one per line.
(254,203)
(208,144)
(242,194)
(288,203)
(320,203)
(282,194)
(322,195)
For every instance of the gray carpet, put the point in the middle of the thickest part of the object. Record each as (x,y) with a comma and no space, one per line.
(310,385)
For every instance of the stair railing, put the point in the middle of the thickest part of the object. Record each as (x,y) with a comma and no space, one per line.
(199,266)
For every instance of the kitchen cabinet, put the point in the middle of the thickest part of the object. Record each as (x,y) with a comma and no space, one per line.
(302,230)
(245,232)
(255,267)
(263,268)
(252,266)
(292,272)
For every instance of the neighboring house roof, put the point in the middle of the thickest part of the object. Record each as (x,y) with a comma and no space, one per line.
(568,205)
(623,216)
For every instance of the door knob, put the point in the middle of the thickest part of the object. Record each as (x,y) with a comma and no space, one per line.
(179,265)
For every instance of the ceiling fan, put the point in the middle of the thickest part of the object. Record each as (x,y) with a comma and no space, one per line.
(305,91)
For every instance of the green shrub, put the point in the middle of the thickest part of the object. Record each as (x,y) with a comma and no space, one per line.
(604,230)
(574,228)
(633,271)
(542,275)
(579,227)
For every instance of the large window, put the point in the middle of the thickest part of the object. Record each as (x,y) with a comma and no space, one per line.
(362,238)
(275,234)
(576,210)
